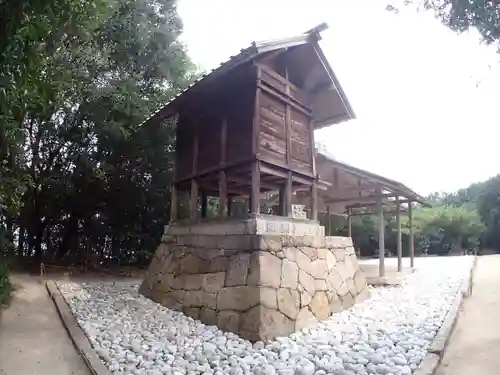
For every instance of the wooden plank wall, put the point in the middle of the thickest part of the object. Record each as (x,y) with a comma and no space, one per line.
(236,109)
(281,117)
(272,129)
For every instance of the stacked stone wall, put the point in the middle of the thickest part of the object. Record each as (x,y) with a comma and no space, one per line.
(259,286)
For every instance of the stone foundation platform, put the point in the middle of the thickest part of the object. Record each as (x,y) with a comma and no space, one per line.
(261,277)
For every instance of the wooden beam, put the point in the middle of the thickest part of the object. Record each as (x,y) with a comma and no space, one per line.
(285,99)
(193,203)
(399,236)
(245,182)
(371,213)
(370,198)
(256,117)
(255,196)
(207,172)
(288,135)
(385,202)
(173,204)
(381,239)
(222,194)
(411,239)
(281,170)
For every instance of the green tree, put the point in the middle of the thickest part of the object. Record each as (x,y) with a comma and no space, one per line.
(462,15)
(98,181)
(442,229)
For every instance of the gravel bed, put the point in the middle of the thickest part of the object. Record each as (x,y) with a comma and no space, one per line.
(387,334)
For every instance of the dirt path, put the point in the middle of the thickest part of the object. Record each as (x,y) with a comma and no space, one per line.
(474,344)
(32,338)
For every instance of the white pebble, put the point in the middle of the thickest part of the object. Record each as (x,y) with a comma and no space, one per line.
(387,334)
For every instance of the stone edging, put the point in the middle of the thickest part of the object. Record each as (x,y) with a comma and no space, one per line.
(437,348)
(76,334)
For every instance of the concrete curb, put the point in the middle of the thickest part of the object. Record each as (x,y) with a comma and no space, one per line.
(436,350)
(76,334)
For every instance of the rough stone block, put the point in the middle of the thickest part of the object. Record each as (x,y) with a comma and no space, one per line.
(193,298)
(237,269)
(288,302)
(320,306)
(238,298)
(193,312)
(268,297)
(213,282)
(305,319)
(208,316)
(228,320)
(218,264)
(270,270)
(289,274)
(307,282)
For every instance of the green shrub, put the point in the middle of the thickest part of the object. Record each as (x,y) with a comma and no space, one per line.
(5,285)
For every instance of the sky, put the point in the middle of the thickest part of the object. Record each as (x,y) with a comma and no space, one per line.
(421,116)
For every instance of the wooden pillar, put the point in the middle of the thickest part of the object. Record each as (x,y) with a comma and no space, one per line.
(411,240)
(229,206)
(173,204)
(328,221)
(399,237)
(349,223)
(255,195)
(281,202)
(381,239)
(193,203)
(288,196)
(222,194)
(314,201)
(204,203)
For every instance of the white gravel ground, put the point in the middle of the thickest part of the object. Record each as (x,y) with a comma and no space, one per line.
(387,334)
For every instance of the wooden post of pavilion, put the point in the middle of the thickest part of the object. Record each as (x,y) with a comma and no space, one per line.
(314,201)
(349,223)
(328,221)
(288,196)
(381,240)
(222,194)
(399,237)
(204,204)
(411,240)
(229,206)
(173,204)
(255,193)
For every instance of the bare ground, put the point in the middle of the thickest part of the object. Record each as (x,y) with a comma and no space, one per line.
(32,337)
(475,341)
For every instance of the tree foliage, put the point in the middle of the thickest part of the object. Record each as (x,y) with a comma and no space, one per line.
(462,15)
(80,176)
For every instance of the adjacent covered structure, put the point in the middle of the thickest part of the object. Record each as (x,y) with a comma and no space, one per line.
(349,191)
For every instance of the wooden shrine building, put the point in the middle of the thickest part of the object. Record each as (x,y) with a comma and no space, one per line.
(247,127)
